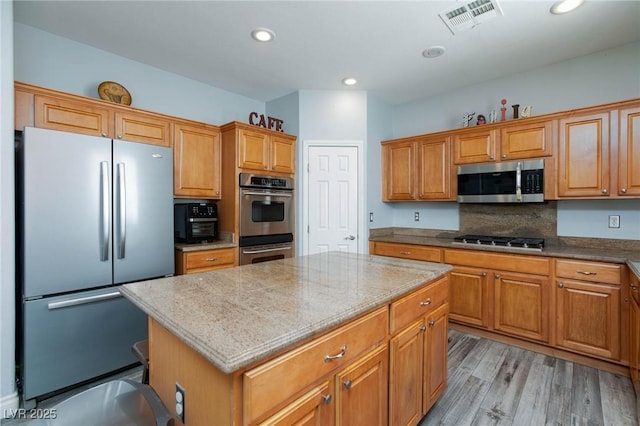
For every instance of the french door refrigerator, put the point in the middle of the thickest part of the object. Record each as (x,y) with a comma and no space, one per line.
(93,213)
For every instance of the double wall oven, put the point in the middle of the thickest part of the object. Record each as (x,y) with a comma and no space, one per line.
(266,218)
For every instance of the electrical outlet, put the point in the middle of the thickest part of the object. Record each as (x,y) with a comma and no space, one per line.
(416,216)
(371,217)
(614,221)
(180,402)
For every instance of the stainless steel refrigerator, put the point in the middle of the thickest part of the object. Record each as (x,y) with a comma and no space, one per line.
(93,213)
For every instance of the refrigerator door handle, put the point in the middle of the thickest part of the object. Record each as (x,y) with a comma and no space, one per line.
(105,208)
(122,211)
(83,300)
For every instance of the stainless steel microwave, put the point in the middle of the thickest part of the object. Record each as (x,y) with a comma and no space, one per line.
(503,182)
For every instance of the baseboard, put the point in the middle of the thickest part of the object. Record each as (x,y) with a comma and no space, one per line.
(8,404)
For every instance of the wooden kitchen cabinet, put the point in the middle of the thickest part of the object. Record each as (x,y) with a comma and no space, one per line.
(583,155)
(629,152)
(418,353)
(475,146)
(527,139)
(417,169)
(197,161)
(634,332)
(189,262)
(313,408)
(145,128)
(469,296)
(264,151)
(588,310)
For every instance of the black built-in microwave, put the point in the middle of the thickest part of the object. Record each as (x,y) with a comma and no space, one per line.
(196,222)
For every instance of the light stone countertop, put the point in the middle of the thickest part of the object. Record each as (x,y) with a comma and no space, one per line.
(238,316)
(635,267)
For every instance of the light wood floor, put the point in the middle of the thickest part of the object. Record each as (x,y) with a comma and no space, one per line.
(491,383)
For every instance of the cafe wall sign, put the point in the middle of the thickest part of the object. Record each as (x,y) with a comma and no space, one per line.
(270,123)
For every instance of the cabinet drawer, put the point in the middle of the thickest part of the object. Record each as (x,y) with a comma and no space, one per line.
(271,384)
(589,271)
(503,262)
(209,259)
(418,304)
(408,251)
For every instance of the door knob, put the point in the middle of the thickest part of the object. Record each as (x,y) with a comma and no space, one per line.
(350,237)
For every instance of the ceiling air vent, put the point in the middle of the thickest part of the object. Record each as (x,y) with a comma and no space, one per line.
(466,15)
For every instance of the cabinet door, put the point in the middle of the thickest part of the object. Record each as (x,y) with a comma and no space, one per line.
(629,152)
(398,165)
(196,156)
(469,296)
(282,155)
(521,305)
(362,391)
(478,146)
(588,318)
(314,408)
(74,117)
(204,260)
(634,344)
(406,376)
(436,347)
(434,169)
(583,156)
(135,127)
(530,140)
(253,150)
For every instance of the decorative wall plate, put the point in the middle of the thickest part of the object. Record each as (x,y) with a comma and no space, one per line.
(114,92)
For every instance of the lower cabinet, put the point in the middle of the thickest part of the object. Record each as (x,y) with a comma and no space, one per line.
(189,262)
(418,353)
(312,408)
(469,296)
(634,334)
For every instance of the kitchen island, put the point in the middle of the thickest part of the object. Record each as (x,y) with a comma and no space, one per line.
(242,342)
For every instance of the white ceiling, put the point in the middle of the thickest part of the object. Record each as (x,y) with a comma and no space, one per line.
(320,42)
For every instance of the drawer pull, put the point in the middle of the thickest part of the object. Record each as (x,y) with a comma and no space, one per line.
(426,302)
(406,253)
(343,350)
(587,273)
(211,259)
(326,398)
(347,384)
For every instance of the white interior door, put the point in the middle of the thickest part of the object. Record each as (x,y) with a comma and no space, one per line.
(332,199)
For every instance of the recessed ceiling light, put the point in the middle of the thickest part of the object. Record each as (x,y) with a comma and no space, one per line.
(433,52)
(565,6)
(349,81)
(263,34)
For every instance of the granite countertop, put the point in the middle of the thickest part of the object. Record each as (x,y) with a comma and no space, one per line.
(235,317)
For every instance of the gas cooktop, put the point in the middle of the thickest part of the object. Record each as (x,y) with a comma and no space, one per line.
(533,244)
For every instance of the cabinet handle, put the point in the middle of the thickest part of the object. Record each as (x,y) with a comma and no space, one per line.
(587,273)
(343,350)
(104,134)
(406,253)
(504,155)
(623,190)
(634,287)
(326,398)
(211,259)
(432,323)
(560,285)
(119,136)
(605,191)
(347,384)
(426,302)
(423,328)
(484,274)
(497,276)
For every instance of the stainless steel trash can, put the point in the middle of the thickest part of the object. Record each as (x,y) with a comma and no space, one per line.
(119,402)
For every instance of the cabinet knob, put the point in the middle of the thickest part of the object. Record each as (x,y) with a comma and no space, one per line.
(491,157)
(347,384)
(623,190)
(634,287)
(497,276)
(217,192)
(432,323)
(484,274)
(326,398)
(560,285)
(605,191)
(504,155)
(423,328)
(119,136)
(426,302)
(104,134)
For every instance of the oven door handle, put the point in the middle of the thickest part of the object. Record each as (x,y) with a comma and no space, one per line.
(266,250)
(269,194)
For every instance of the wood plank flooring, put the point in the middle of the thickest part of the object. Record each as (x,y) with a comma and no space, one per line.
(491,383)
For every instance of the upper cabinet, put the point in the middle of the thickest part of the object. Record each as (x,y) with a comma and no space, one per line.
(197,157)
(419,168)
(515,140)
(629,152)
(265,151)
